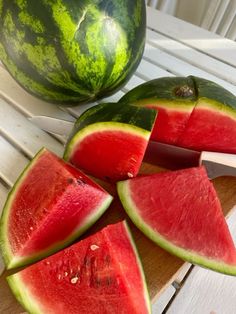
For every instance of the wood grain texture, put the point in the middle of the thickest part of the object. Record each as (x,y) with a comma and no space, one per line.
(160,268)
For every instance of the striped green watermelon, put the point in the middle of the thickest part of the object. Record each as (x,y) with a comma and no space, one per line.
(72,51)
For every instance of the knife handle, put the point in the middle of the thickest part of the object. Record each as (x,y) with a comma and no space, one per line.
(218,164)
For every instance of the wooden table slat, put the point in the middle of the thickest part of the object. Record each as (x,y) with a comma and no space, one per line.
(12,162)
(23,133)
(207,292)
(180,67)
(191,35)
(192,56)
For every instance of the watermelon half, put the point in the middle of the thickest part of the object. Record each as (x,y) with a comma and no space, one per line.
(50,205)
(192,112)
(101,274)
(180,211)
(109,140)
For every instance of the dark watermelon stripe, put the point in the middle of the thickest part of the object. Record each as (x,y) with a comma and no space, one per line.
(122,10)
(31,38)
(99,59)
(25,66)
(29,73)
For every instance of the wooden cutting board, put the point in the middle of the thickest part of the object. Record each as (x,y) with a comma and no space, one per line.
(160,267)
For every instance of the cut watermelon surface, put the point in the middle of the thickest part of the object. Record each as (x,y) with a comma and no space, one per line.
(180,211)
(171,120)
(173,97)
(50,205)
(101,274)
(110,151)
(109,140)
(210,127)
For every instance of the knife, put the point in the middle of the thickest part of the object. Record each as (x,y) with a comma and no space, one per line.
(161,154)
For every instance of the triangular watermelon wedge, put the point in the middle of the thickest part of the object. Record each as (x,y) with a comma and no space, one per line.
(109,140)
(100,274)
(180,211)
(50,205)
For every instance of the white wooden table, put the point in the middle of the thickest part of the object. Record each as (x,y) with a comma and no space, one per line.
(173,48)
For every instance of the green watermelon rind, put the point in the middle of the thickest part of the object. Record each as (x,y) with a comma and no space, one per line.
(22,294)
(179,105)
(139,264)
(12,261)
(26,299)
(99,127)
(192,257)
(215,106)
(4,243)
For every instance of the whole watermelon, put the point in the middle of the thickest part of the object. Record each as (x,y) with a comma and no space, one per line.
(72,51)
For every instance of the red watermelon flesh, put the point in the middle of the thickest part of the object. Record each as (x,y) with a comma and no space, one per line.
(210,128)
(112,153)
(50,205)
(101,274)
(181,212)
(171,120)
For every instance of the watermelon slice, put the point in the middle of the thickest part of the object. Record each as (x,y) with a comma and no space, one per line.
(180,211)
(173,97)
(50,205)
(109,140)
(101,274)
(192,112)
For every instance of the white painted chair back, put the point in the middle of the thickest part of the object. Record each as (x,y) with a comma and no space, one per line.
(167,6)
(220,17)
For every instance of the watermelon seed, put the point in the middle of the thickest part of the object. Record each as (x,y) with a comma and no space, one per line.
(133,159)
(70,180)
(59,276)
(74,280)
(94,247)
(66,273)
(130,175)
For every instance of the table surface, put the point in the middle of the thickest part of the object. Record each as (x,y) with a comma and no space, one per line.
(173,48)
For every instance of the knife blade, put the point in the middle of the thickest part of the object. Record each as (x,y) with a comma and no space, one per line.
(161,154)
